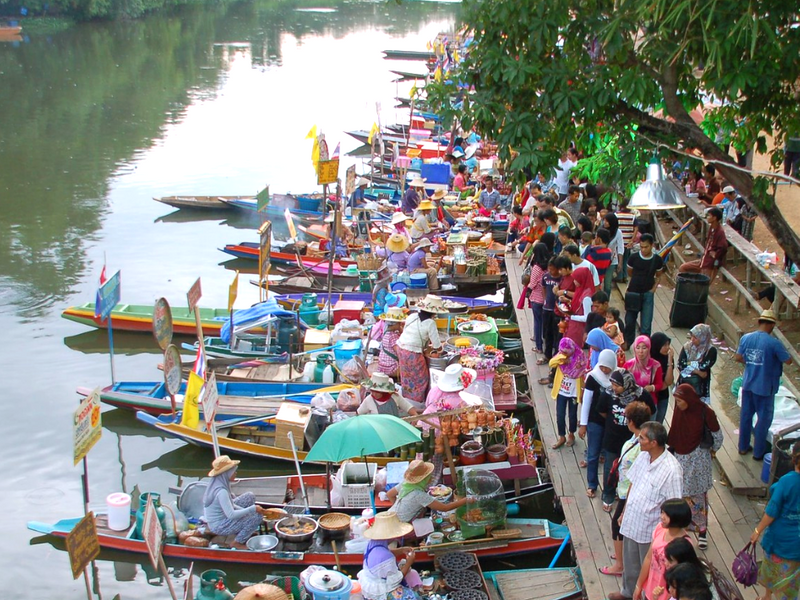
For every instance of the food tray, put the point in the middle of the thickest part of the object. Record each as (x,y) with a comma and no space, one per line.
(457,561)
(475,327)
(334,521)
(462,580)
(506,534)
(469,595)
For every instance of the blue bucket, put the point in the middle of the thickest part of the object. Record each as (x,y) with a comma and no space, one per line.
(419,281)
(344,350)
(309,204)
(765,469)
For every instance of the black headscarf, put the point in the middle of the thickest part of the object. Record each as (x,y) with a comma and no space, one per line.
(586,222)
(613,224)
(549,240)
(657,341)
(542,255)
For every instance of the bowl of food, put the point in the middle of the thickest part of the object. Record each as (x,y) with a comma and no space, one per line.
(272,516)
(296,529)
(441,492)
(459,342)
(455,307)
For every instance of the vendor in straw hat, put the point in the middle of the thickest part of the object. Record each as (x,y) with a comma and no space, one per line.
(393,317)
(421,227)
(419,331)
(439,217)
(398,223)
(418,263)
(357,197)
(384,398)
(381,578)
(411,497)
(225,513)
(396,252)
(413,195)
(261,591)
(446,394)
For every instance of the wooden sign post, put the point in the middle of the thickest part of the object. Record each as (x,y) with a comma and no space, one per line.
(265,237)
(83,547)
(153,534)
(210,404)
(107,298)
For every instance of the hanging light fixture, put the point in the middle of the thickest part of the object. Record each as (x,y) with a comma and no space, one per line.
(656,193)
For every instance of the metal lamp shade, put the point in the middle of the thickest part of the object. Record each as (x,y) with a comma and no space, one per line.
(656,193)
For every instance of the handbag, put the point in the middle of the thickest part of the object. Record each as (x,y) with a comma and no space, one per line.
(726,589)
(707,441)
(745,568)
(613,473)
(633,301)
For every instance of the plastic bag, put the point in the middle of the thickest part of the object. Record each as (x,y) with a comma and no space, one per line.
(349,400)
(351,371)
(380,480)
(323,402)
(766,258)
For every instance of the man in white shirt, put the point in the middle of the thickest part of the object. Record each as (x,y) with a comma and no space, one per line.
(574,255)
(655,476)
(565,164)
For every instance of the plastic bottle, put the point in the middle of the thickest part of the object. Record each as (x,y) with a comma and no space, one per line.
(328,375)
(308,372)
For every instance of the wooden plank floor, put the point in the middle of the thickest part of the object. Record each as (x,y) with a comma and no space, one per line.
(731,518)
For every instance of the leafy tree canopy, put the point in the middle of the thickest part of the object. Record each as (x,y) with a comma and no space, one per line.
(619,77)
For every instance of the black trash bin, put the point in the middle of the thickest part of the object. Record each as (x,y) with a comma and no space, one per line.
(690,303)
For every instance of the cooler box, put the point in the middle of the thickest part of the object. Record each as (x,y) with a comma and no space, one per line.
(358,484)
(348,309)
(316,339)
(344,350)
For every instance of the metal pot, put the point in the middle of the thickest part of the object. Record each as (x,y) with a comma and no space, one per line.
(262,543)
(295,537)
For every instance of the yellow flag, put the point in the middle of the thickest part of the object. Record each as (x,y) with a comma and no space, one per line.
(315,153)
(437,74)
(372,132)
(312,133)
(413,91)
(191,413)
(233,291)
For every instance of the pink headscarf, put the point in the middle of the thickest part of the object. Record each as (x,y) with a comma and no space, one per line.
(575,366)
(642,370)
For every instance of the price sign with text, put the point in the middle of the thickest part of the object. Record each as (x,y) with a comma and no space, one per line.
(327,171)
(152,532)
(82,544)
(87,425)
(194,294)
(210,400)
(107,297)
(162,323)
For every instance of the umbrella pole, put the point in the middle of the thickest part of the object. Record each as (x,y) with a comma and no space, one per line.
(328,483)
(370,487)
(299,473)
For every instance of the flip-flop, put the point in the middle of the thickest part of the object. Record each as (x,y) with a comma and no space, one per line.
(607,507)
(542,361)
(608,571)
(545,381)
(570,440)
(590,492)
(583,464)
(561,441)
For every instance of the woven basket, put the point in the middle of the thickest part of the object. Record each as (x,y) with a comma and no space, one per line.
(334,521)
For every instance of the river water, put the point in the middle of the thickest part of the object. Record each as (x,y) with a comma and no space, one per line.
(94,122)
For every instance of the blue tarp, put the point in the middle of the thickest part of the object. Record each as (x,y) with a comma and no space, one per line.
(257,313)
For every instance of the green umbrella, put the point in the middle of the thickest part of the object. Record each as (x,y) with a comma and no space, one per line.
(362,435)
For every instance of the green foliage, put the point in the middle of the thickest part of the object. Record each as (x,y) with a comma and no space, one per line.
(546,74)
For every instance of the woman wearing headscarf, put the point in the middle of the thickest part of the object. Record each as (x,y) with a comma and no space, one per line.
(697,357)
(617,247)
(689,419)
(611,407)
(570,365)
(381,578)
(411,497)
(597,340)
(542,252)
(661,350)
(592,423)
(419,331)
(580,304)
(646,370)
(225,513)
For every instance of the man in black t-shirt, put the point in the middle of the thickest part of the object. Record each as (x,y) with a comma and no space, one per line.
(644,270)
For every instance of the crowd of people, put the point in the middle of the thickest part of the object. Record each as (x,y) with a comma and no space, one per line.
(612,378)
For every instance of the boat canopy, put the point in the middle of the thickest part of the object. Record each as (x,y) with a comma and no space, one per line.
(257,315)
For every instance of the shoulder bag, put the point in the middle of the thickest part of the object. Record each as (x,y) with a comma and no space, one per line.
(707,441)
(745,568)
(613,474)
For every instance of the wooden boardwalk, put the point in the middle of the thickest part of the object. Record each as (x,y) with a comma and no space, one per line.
(732,517)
